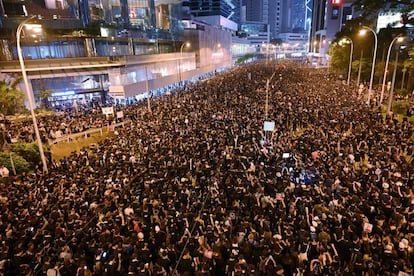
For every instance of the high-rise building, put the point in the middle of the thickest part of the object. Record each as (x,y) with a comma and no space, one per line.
(224,13)
(87,49)
(136,14)
(328,18)
(299,16)
(255,10)
(254,21)
(292,17)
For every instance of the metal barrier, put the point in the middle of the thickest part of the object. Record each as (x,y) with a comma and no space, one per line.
(85,134)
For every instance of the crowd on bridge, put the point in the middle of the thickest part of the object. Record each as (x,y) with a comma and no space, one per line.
(198,187)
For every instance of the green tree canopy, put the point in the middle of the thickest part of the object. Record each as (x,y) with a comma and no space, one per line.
(244,58)
(43,96)
(11,99)
(340,57)
(29,151)
(365,68)
(406,8)
(20,164)
(369,10)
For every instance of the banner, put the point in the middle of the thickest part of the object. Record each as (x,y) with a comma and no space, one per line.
(120,114)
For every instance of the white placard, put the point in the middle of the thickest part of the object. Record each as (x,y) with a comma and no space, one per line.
(368,227)
(108,110)
(269,126)
(120,114)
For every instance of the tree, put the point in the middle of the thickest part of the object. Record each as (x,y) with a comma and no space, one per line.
(365,68)
(340,51)
(369,9)
(244,58)
(30,152)
(43,96)
(339,57)
(406,8)
(20,164)
(11,99)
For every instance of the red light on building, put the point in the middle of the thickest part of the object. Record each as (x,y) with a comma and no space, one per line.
(336,2)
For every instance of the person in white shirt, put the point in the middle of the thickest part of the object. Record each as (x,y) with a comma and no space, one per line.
(4,172)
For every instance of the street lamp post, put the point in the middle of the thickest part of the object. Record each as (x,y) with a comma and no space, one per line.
(187,44)
(373,61)
(392,84)
(148,91)
(267,94)
(29,93)
(350,59)
(218,45)
(267,98)
(359,68)
(384,80)
(268,42)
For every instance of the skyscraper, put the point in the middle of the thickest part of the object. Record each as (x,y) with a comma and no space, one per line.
(255,10)
(298,16)
(282,16)
(135,14)
(328,18)
(224,13)
(254,23)
(278,17)
(293,15)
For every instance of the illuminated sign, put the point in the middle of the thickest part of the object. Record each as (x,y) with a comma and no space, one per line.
(336,2)
(389,18)
(335,12)
(64,93)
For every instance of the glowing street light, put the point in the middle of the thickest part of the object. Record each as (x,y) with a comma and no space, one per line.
(218,46)
(29,92)
(363,32)
(216,50)
(384,80)
(216,56)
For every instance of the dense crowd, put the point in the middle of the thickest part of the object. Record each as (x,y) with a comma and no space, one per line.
(53,126)
(74,117)
(197,187)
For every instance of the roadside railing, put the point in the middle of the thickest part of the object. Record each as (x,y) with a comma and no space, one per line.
(85,134)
